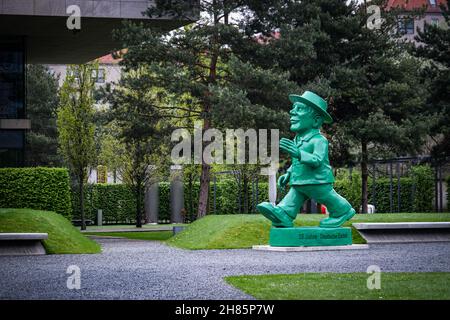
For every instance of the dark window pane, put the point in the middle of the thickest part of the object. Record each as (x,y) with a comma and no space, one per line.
(406,26)
(12,77)
(101,76)
(11,158)
(11,139)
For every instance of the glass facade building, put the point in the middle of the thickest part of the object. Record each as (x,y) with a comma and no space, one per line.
(12,99)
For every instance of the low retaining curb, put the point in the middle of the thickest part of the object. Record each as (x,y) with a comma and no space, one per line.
(403,232)
(13,244)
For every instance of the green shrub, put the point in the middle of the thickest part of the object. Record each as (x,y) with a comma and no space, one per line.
(164,202)
(423,188)
(119,206)
(350,189)
(416,191)
(36,188)
(116,201)
(448,193)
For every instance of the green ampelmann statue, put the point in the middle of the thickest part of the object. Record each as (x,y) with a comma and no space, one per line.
(310,175)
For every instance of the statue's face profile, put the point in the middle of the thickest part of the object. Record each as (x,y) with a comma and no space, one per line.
(303,118)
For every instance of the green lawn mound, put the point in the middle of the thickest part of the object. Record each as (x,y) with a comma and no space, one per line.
(62,236)
(348,286)
(223,232)
(245,230)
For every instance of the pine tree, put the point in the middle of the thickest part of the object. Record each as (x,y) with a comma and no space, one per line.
(42,103)
(141,128)
(374,88)
(378,96)
(435,46)
(208,60)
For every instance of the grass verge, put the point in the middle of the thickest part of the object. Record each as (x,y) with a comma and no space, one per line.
(245,230)
(348,286)
(62,236)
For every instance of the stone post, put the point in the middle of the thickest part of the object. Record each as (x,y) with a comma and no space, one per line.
(176,194)
(99,217)
(273,186)
(151,202)
(151,197)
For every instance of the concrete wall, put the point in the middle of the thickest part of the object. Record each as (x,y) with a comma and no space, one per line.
(51,40)
(127,9)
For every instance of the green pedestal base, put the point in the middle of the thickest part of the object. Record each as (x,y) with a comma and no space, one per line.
(310,236)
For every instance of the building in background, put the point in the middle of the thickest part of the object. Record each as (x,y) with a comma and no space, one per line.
(109,71)
(36,32)
(408,26)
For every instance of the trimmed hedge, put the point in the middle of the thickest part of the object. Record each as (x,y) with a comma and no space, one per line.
(118,203)
(36,188)
(448,193)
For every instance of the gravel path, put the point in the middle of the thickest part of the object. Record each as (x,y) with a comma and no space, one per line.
(131,269)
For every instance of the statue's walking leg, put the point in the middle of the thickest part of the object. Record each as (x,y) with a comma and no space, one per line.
(286,211)
(339,208)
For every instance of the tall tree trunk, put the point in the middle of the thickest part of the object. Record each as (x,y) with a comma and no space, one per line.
(246,195)
(81,199)
(365,176)
(138,206)
(205,178)
(191,199)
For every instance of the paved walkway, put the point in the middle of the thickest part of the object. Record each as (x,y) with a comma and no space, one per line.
(130,269)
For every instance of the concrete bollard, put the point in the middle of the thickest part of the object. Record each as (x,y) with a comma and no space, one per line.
(177,229)
(151,203)
(176,195)
(99,217)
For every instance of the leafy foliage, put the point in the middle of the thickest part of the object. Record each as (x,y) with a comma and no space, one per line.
(42,104)
(141,129)
(435,47)
(75,124)
(374,87)
(36,188)
(208,61)
(75,119)
(116,201)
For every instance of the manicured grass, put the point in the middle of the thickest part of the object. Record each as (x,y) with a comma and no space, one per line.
(62,236)
(246,230)
(153,235)
(350,286)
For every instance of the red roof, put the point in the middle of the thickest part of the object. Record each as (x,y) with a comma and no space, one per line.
(408,5)
(109,59)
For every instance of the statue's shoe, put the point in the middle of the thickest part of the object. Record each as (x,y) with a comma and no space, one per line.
(278,217)
(336,222)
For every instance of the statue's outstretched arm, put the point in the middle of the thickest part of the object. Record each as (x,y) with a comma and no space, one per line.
(319,154)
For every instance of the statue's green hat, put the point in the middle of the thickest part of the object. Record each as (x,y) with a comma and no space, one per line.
(314,101)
